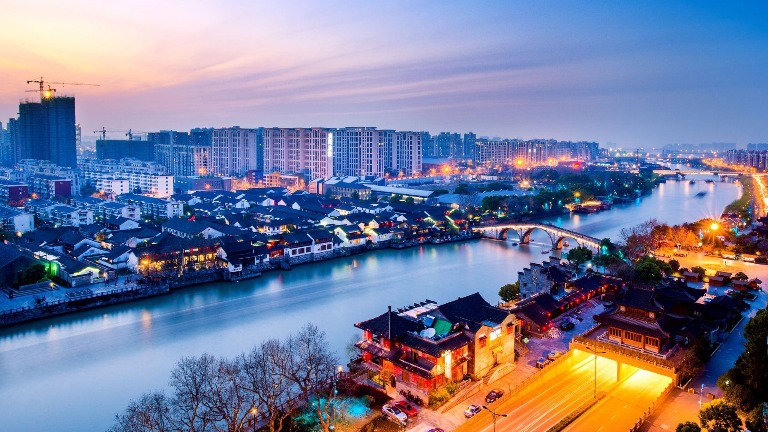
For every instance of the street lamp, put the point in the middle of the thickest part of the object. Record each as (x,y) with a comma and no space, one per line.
(595,352)
(495,415)
(254,412)
(701,393)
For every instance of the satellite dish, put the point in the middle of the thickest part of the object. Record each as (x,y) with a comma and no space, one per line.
(427,333)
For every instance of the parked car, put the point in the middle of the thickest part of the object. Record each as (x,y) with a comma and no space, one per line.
(541,362)
(407,408)
(394,414)
(493,395)
(472,410)
(552,355)
(567,325)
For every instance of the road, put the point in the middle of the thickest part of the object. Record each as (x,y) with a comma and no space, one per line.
(558,397)
(622,408)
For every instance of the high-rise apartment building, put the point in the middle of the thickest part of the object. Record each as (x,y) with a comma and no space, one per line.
(47,131)
(359,151)
(407,154)
(233,151)
(184,154)
(119,149)
(308,151)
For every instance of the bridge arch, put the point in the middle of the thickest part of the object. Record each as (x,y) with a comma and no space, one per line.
(558,244)
(557,235)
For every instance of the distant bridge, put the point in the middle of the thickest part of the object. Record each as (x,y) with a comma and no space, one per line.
(556,234)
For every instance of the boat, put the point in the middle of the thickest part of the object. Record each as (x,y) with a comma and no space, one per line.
(709,181)
(693,181)
(545,251)
(701,194)
(515,244)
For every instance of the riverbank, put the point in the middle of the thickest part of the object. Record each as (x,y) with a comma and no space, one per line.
(20,309)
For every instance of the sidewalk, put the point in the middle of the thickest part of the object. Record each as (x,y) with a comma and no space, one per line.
(60,293)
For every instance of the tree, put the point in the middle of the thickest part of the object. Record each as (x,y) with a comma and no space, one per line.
(700,270)
(311,366)
(462,189)
(492,203)
(740,276)
(265,379)
(688,427)
(355,195)
(150,413)
(746,383)
(674,265)
(720,416)
(579,255)
(755,421)
(637,240)
(188,379)
(410,200)
(509,292)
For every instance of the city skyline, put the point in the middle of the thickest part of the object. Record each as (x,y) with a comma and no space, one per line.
(626,74)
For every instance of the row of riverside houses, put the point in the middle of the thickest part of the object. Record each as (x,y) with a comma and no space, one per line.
(237,234)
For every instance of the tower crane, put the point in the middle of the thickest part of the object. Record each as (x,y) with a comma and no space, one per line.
(129,133)
(47,94)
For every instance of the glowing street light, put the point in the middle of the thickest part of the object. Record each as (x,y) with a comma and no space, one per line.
(254,412)
(714,226)
(595,352)
(495,415)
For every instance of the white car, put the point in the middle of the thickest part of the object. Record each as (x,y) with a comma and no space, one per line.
(394,414)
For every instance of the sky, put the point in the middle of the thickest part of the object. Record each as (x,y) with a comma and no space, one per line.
(632,73)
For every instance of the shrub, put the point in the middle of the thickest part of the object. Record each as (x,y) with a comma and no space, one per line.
(438,397)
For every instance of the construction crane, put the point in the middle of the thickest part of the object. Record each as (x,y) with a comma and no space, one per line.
(129,133)
(47,94)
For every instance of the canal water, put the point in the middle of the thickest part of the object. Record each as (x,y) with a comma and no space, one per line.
(75,372)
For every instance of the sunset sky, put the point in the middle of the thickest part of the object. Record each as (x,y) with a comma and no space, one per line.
(635,73)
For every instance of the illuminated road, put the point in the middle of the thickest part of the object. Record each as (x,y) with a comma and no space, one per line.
(556,398)
(621,409)
(560,395)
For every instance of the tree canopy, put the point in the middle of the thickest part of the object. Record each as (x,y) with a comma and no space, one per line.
(720,416)
(510,292)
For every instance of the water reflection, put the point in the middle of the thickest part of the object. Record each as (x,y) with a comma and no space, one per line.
(103,358)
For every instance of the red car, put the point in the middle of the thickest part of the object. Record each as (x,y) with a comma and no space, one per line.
(407,408)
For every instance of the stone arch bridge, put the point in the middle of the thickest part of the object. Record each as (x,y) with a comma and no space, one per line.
(523,230)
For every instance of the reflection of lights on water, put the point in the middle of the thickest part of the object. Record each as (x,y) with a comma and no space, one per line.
(146,320)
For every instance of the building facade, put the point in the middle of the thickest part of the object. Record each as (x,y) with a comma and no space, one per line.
(233,151)
(46,131)
(307,151)
(427,346)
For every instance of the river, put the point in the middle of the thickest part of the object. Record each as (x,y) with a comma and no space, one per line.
(75,372)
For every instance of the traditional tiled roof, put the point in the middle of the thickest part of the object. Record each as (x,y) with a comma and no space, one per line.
(624,322)
(390,325)
(435,348)
(472,309)
(637,298)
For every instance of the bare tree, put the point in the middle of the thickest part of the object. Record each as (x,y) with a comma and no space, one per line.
(188,380)
(274,396)
(310,364)
(312,367)
(224,402)
(148,414)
